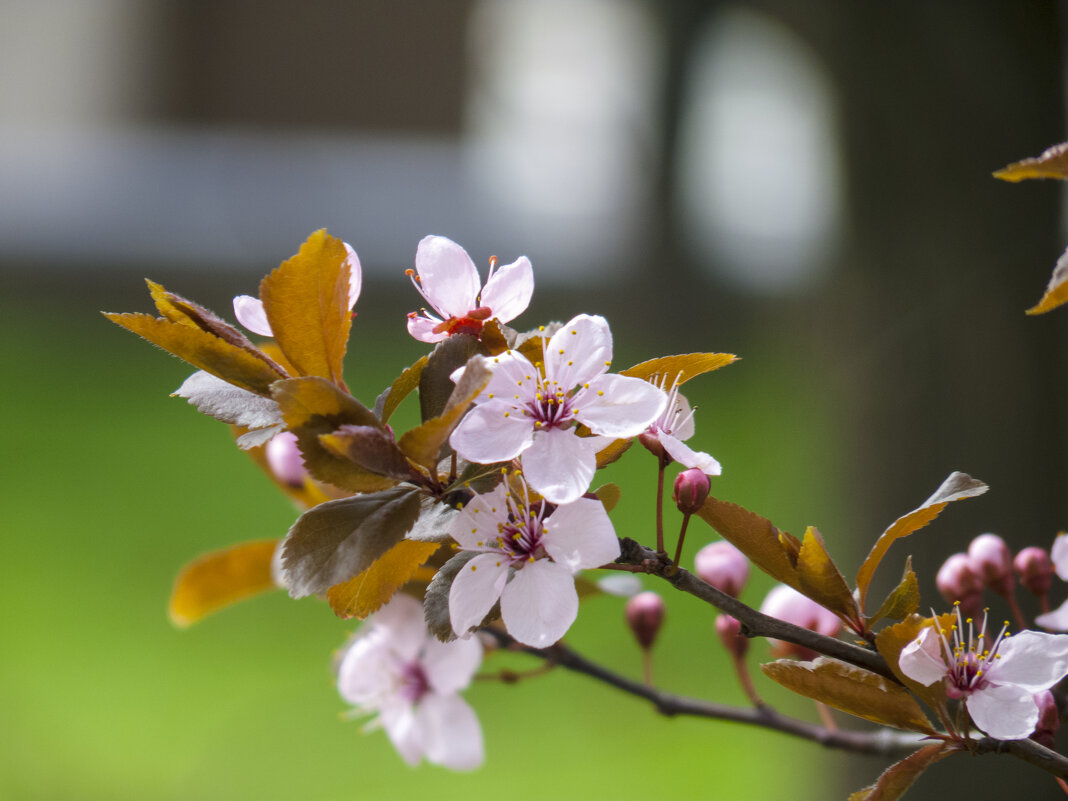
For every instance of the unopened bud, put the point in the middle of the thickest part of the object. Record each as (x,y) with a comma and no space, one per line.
(723,566)
(789,605)
(729,631)
(284,459)
(1049,719)
(652,444)
(993,561)
(1035,569)
(691,490)
(958,580)
(645,615)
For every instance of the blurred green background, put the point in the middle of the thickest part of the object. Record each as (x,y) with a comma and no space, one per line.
(806,186)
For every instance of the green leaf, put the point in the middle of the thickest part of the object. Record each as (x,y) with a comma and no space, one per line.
(903,600)
(900,776)
(956,487)
(366,592)
(306,300)
(852,690)
(408,380)
(820,579)
(221,578)
(754,536)
(435,384)
(339,539)
(668,369)
(1056,290)
(1052,163)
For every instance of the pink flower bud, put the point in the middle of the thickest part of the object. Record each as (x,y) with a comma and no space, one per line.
(691,490)
(789,605)
(958,580)
(723,566)
(1035,569)
(993,561)
(1049,719)
(652,444)
(284,459)
(730,634)
(645,615)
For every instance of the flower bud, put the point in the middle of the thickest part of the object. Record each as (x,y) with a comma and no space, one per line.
(1035,569)
(730,634)
(652,444)
(691,490)
(789,605)
(723,566)
(284,459)
(993,561)
(645,615)
(958,580)
(1049,719)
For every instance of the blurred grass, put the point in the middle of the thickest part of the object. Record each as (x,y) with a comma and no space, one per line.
(112,486)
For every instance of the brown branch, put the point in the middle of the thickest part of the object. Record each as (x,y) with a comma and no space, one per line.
(1027,750)
(754,624)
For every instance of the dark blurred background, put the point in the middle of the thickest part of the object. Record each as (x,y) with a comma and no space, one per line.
(805,185)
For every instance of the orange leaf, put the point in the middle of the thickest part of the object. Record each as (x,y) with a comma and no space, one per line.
(820,579)
(1056,290)
(754,536)
(307,304)
(682,367)
(366,592)
(892,639)
(1053,163)
(900,776)
(221,578)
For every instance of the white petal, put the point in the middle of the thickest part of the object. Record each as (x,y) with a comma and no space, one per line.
(579,352)
(249,312)
(687,457)
(540,603)
(1056,620)
(622,584)
(492,432)
(508,290)
(450,732)
(366,669)
(447,276)
(401,725)
(681,418)
(475,526)
(921,660)
(450,666)
(475,590)
(1059,554)
(559,464)
(513,375)
(422,328)
(1031,660)
(402,621)
(580,536)
(355,274)
(1005,712)
(619,406)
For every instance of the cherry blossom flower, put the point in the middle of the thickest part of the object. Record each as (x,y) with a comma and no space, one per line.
(448,280)
(531,411)
(250,312)
(396,668)
(788,604)
(666,435)
(997,679)
(527,555)
(1058,618)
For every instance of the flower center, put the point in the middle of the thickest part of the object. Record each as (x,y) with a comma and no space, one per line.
(413,682)
(520,538)
(969,654)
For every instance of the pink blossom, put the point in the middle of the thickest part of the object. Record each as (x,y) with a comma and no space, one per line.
(788,604)
(723,566)
(691,490)
(997,678)
(448,280)
(396,668)
(285,460)
(531,411)
(665,436)
(1035,570)
(645,615)
(959,580)
(250,312)
(1058,618)
(993,560)
(527,557)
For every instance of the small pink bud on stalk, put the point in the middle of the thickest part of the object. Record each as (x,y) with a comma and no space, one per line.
(691,490)
(285,461)
(959,581)
(723,566)
(730,634)
(789,605)
(1035,569)
(645,616)
(1049,719)
(993,560)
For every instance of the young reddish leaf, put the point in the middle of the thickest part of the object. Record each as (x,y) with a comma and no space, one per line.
(371,448)
(820,579)
(435,382)
(900,776)
(1056,290)
(956,487)
(753,535)
(240,366)
(311,407)
(339,539)
(608,495)
(307,304)
(903,600)
(851,689)
(892,639)
(495,338)
(221,578)
(364,593)
(408,380)
(668,369)
(423,444)
(1053,163)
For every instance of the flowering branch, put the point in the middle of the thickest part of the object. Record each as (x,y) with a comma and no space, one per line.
(1027,750)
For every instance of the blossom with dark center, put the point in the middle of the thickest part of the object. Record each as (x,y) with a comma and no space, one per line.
(666,433)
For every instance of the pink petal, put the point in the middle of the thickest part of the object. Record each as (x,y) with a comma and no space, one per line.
(402,620)
(475,590)
(447,275)
(513,375)
(422,328)
(1004,712)
(366,669)
(619,406)
(400,723)
(450,732)
(249,312)
(450,666)
(559,464)
(682,412)
(684,455)
(540,603)
(492,432)
(1056,620)
(580,536)
(1031,660)
(355,274)
(579,352)
(475,527)
(921,660)
(1059,554)
(508,290)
